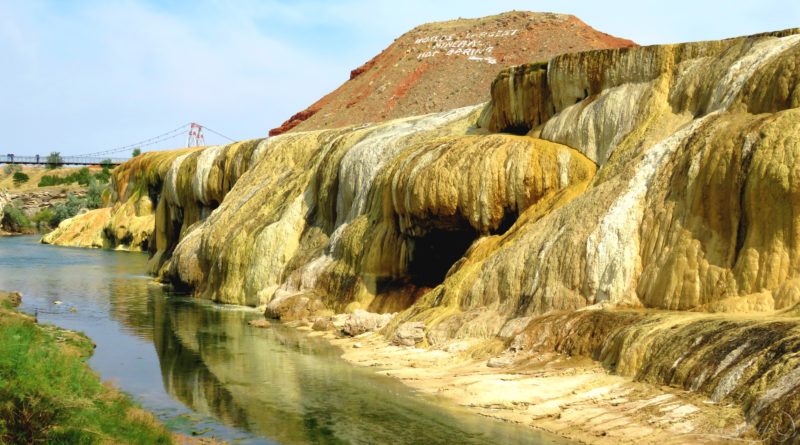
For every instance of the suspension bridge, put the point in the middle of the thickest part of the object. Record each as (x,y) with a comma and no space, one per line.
(193,131)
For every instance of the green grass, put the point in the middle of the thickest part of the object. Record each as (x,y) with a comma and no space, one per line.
(48,394)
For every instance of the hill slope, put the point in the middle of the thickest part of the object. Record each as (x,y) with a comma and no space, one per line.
(446,65)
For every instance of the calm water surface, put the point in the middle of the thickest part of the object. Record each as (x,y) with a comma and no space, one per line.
(202,370)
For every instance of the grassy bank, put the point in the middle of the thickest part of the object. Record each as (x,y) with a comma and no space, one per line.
(49,395)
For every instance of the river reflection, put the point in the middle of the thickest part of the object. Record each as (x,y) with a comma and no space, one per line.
(182,358)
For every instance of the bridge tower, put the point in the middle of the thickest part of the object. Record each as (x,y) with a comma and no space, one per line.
(196,137)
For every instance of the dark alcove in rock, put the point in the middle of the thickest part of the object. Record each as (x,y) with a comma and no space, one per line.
(433,254)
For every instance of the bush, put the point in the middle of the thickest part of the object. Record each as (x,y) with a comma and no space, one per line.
(104,175)
(82,177)
(54,160)
(43,219)
(14,219)
(68,209)
(94,196)
(136,152)
(20,178)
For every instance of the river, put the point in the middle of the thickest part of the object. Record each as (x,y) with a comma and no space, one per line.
(202,370)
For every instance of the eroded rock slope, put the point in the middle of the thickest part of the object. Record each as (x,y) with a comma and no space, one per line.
(629,181)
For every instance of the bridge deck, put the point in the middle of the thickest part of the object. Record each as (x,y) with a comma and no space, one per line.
(65,160)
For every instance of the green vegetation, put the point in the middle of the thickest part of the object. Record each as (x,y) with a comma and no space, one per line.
(14,219)
(54,160)
(103,176)
(82,177)
(20,178)
(50,396)
(68,209)
(94,195)
(43,219)
(136,152)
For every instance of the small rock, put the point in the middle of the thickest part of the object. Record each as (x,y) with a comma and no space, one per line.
(260,323)
(409,333)
(459,346)
(513,327)
(358,345)
(500,362)
(339,320)
(73,310)
(361,321)
(290,307)
(57,302)
(323,324)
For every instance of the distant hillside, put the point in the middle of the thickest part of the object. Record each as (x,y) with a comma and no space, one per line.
(446,65)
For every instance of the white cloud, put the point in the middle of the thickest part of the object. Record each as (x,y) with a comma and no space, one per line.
(103,75)
(83,76)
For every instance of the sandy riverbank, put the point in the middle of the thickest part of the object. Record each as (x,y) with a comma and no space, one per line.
(573,397)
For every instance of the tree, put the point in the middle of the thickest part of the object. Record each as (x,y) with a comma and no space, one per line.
(136,152)
(20,178)
(54,160)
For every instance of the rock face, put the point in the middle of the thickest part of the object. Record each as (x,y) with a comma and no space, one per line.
(360,322)
(5,200)
(592,187)
(129,223)
(409,333)
(32,201)
(446,65)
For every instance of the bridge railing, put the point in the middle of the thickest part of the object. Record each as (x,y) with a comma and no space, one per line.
(64,160)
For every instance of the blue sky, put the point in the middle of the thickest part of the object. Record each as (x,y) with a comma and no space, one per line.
(85,76)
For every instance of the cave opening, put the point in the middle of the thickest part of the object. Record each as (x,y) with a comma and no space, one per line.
(509,218)
(434,253)
(126,240)
(519,129)
(154,193)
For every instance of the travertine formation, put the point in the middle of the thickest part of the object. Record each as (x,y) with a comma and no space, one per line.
(591,194)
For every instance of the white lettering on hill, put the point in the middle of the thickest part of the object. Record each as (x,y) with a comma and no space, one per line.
(471,45)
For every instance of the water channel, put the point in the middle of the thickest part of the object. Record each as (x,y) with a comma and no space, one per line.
(202,370)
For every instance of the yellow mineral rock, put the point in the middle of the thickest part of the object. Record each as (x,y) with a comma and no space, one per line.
(640,206)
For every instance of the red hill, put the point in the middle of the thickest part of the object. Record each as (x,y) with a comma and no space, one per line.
(446,65)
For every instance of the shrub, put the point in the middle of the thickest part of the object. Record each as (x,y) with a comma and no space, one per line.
(68,209)
(136,152)
(104,175)
(54,160)
(82,177)
(94,196)
(43,218)
(20,178)
(14,219)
